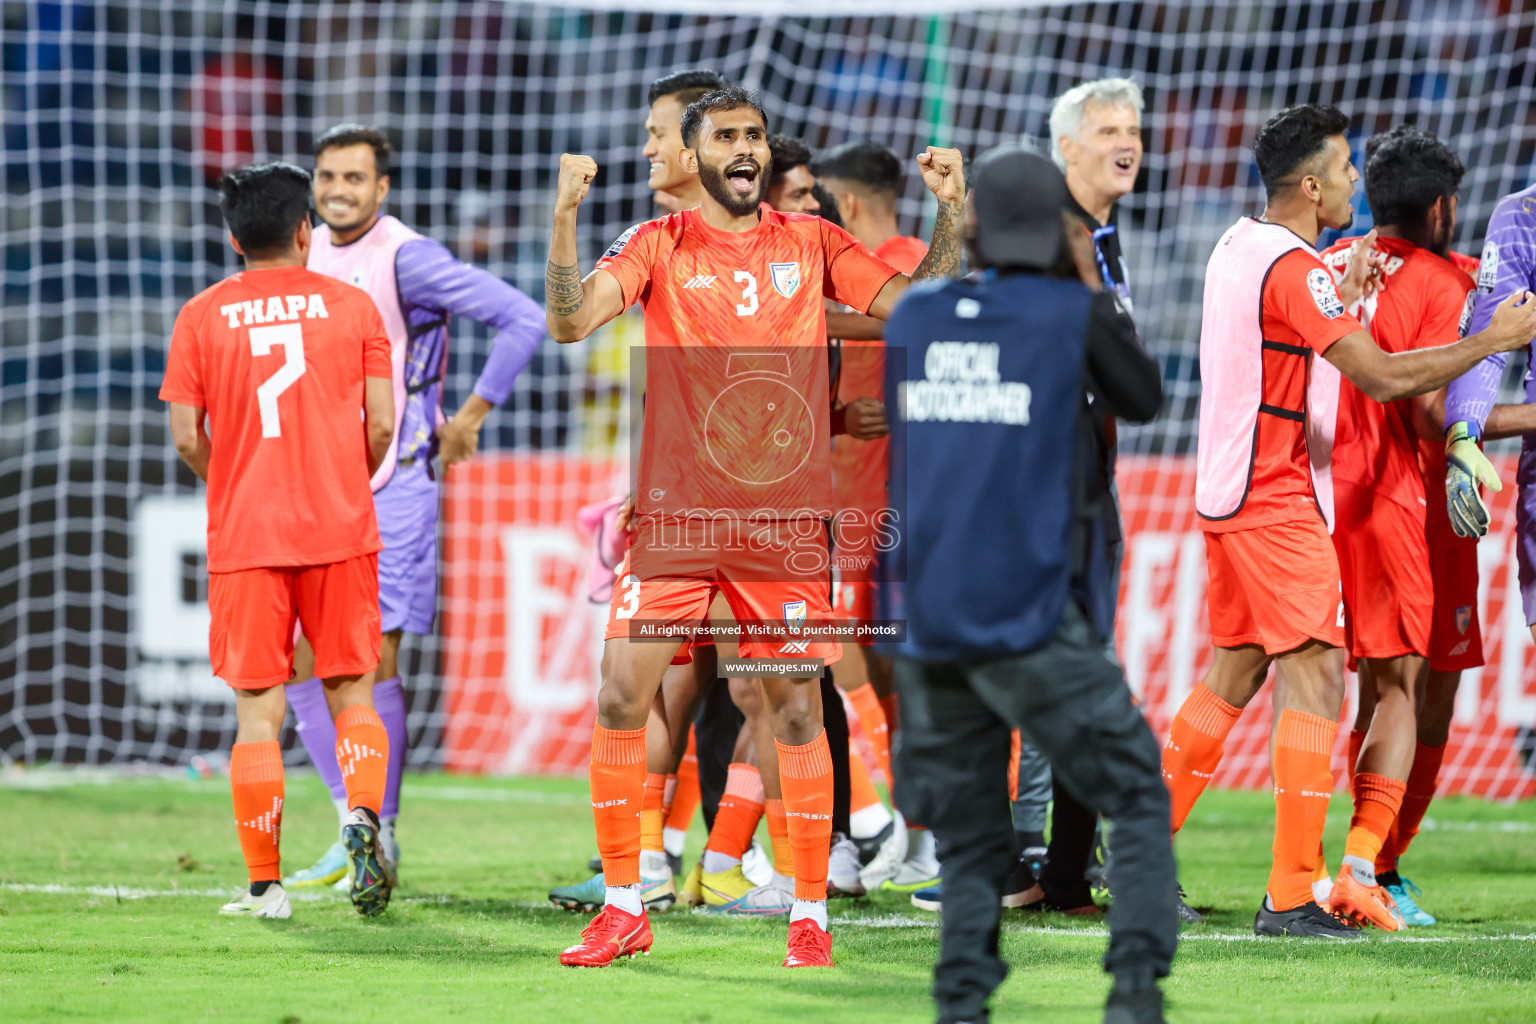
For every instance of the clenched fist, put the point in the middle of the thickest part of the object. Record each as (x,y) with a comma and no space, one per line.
(943,173)
(576,174)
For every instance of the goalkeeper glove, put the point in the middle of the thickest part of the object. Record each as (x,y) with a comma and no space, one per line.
(1467,469)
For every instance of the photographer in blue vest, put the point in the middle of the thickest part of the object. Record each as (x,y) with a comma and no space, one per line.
(1005,580)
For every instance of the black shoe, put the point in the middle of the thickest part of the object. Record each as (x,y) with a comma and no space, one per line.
(1022,887)
(869,846)
(1307,921)
(370,884)
(980,1019)
(1187,913)
(1144,1006)
(1097,875)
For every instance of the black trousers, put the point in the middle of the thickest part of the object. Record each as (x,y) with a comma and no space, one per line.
(1073,704)
(718,725)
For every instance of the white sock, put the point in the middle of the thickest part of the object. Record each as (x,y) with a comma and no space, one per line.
(653,864)
(1321,890)
(625,897)
(784,882)
(342,810)
(716,862)
(816,910)
(672,840)
(1363,870)
(869,821)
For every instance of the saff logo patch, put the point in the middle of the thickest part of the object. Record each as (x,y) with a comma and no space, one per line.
(794,615)
(786,279)
(1320,284)
(1466,315)
(1488,269)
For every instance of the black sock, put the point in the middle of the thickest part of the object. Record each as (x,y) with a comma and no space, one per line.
(1031,840)
(1386,878)
(260,888)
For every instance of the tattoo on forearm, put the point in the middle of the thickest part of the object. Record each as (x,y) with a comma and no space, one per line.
(943,259)
(562,289)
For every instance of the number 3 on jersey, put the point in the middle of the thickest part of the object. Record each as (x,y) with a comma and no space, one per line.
(631,584)
(748,304)
(291,337)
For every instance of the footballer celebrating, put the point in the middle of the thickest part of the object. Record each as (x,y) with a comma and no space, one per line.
(743,288)
(1271,304)
(293,369)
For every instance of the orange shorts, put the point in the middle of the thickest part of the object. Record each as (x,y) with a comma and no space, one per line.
(854,602)
(1277,586)
(251,637)
(1456,634)
(754,585)
(1384,565)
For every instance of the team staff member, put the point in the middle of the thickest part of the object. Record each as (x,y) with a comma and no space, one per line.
(1005,588)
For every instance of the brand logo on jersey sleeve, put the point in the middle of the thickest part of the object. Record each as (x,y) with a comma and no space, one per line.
(1466,314)
(1488,269)
(786,278)
(1320,284)
(620,242)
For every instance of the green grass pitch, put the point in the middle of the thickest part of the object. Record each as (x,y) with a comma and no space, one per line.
(109,888)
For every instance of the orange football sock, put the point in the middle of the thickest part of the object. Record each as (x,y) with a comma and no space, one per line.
(256,782)
(1321,871)
(866,704)
(1422,781)
(1194,747)
(1377,799)
(806,774)
(1356,741)
(685,801)
(651,817)
(1303,782)
(861,788)
(741,808)
(1015,744)
(667,793)
(778,838)
(617,775)
(362,751)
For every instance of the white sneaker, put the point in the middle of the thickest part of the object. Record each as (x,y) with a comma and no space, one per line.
(921,868)
(273,903)
(763,901)
(783,883)
(757,865)
(888,859)
(843,868)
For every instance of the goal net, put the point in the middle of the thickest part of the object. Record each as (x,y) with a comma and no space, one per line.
(119,115)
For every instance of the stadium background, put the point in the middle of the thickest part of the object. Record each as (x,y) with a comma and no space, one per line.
(117,118)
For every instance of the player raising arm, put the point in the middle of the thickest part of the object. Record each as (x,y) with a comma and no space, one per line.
(731,274)
(1270,304)
(293,368)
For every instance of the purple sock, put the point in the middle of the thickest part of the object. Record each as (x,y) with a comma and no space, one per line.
(318,732)
(389,702)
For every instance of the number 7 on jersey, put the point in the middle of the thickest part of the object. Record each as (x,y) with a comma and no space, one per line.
(291,337)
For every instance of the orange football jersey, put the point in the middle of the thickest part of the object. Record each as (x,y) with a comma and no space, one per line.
(736,418)
(277,357)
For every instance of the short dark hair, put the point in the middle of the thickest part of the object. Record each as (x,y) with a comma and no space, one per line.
(687,85)
(1406,170)
(358,135)
(871,166)
(828,203)
(262,204)
(730,97)
(788,153)
(1291,138)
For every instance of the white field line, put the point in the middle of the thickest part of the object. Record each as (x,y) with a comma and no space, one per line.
(885,921)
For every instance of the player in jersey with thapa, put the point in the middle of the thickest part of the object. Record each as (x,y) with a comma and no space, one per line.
(1381,528)
(737,425)
(1275,593)
(278,381)
(418,287)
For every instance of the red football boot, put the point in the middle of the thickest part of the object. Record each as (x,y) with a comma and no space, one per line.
(809,945)
(612,934)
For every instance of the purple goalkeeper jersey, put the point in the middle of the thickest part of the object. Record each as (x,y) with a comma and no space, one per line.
(434,285)
(1508,266)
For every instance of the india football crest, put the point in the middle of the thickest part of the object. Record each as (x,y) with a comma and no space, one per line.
(794,615)
(1463,619)
(786,278)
